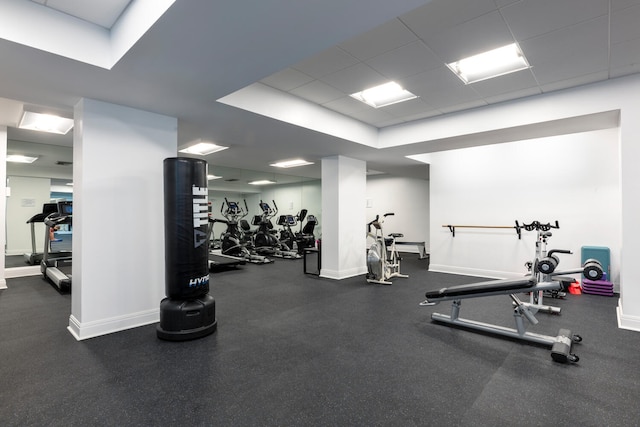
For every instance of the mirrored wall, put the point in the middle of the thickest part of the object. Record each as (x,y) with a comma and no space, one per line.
(31,186)
(286,195)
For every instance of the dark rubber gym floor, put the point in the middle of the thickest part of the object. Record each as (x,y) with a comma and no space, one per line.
(296,350)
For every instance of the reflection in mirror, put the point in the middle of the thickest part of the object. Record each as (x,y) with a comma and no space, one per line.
(289,194)
(48,181)
(30,187)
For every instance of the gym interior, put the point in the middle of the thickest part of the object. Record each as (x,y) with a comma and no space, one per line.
(511,201)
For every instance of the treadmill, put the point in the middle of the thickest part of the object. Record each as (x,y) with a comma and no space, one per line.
(35,257)
(56,266)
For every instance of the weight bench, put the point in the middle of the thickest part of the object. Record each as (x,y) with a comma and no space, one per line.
(422,252)
(560,344)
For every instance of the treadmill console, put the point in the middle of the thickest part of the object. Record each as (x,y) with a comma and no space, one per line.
(65,208)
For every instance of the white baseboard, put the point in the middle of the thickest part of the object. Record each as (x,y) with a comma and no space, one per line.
(28,270)
(343,274)
(11,252)
(96,328)
(631,323)
(464,271)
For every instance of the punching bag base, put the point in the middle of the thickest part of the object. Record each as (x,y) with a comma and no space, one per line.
(182,320)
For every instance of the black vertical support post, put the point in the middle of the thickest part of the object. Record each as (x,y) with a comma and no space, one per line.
(188,311)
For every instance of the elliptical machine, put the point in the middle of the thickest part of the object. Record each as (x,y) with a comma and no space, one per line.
(264,240)
(232,242)
(298,240)
(287,237)
(305,237)
(383,260)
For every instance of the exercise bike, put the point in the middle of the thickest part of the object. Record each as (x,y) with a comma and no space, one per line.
(383,260)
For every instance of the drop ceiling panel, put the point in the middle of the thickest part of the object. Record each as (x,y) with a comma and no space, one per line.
(404,61)
(346,105)
(621,4)
(625,24)
(574,51)
(484,33)
(440,15)
(373,116)
(512,82)
(355,78)
(287,79)
(440,88)
(326,62)
(463,106)
(533,18)
(384,38)
(575,81)
(318,92)
(625,58)
(508,96)
(503,3)
(422,115)
(408,108)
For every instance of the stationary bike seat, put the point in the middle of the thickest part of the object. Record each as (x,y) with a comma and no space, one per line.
(396,235)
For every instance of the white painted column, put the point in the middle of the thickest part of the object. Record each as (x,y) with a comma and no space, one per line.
(629,304)
(344,186)
(118,241)
(3,201)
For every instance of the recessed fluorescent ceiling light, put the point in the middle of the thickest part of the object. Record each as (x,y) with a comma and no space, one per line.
(493,63)
(291,163)
(262,182)
(19,158)
(45,123)
(212,177)
(383,95)
(203,148)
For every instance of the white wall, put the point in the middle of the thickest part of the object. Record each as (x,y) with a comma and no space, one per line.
(118,242)
(571,178)
(344,187)
(605,105)
(408,199)
(3,201)
(27,197)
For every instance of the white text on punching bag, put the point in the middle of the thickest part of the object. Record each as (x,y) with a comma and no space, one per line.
(200,214)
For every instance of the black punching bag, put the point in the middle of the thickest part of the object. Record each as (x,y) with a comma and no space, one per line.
(188,311)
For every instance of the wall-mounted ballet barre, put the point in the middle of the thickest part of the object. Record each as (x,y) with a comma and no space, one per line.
(452,228)
(534,225)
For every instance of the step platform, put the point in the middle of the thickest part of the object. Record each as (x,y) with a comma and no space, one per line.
(597,287)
